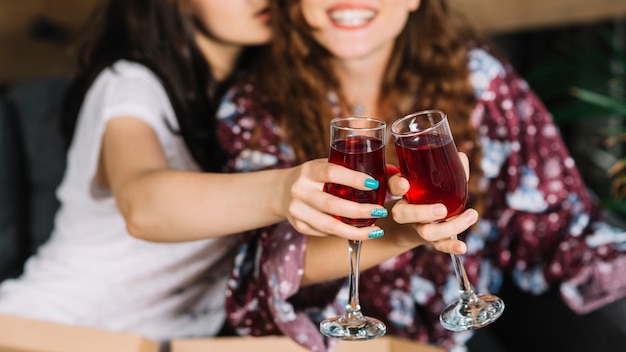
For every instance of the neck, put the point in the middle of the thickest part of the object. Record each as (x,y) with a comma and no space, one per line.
(360,82)
(220,56)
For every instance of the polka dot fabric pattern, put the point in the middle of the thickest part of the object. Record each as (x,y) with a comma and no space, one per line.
(540,226)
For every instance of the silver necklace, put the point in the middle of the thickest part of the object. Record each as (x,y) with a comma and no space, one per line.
(358,109)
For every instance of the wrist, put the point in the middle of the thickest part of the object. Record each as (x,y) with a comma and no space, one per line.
(279,187)
(402,237)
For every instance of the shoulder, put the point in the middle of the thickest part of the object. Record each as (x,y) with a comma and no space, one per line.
(491,76)
(485,68)
(130,74)
(127,83)
(483,60)
(128,89)
(131,69)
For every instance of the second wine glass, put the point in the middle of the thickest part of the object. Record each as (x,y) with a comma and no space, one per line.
(357,143)
(429,159)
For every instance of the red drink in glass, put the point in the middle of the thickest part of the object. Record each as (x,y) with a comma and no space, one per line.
(429,160)
(357,143)
(364,154)
(431,164)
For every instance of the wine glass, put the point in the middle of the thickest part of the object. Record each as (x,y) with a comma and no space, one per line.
(429,159)
(359,144)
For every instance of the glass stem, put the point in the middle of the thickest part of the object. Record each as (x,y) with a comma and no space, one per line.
(465,288)
(353,310)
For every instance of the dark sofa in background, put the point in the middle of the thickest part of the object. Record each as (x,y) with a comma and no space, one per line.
(32,160)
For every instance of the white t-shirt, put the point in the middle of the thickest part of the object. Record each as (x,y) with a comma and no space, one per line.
(91,272)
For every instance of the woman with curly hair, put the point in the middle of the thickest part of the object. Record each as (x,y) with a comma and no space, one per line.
(539,228)
(144,160)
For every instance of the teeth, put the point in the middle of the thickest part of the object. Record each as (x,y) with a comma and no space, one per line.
(352,17)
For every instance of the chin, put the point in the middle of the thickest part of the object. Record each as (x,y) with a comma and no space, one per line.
(258,40)
(347,53)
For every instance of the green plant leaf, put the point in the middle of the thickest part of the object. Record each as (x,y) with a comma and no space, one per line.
(570,112)
(615,205)
(606,102)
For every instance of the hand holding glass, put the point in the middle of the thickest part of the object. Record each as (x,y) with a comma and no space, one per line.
(357,143)
(429,159)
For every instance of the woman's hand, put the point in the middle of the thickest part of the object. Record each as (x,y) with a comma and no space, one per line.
(421,218)
(410,226)
(307,207)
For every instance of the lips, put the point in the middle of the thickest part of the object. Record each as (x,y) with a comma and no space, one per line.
(351,17)
(264,14)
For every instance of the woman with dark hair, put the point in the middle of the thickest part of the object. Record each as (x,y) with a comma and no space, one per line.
(137,121)
(539,227)
(144,161)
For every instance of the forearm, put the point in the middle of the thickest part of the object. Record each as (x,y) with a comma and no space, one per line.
(326,258)
(173,206)
(409,227)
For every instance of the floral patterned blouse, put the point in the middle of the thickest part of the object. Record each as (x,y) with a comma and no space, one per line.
(540,226)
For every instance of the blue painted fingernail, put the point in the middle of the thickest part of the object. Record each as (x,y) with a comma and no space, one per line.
(376,234)
(371,183)
(379,213)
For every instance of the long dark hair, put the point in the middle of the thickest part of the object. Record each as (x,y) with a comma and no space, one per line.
(160,35)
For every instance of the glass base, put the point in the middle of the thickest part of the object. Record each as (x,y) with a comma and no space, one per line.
(474,313)
(362,328)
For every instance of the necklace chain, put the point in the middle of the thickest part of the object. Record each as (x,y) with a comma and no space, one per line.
(358,109)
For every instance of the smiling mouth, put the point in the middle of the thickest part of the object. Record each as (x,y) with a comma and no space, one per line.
(351,17)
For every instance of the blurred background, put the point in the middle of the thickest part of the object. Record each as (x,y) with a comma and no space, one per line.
(35,34)
(572,52)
